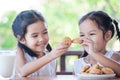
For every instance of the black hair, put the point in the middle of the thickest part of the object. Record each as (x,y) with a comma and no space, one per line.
(104,22)
(20,24)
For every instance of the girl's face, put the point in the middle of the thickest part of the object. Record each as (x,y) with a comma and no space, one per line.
(89,30)
(36,37)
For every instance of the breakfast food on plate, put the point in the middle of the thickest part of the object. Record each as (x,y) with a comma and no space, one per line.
(95,66)
(106,70)
(77,40)
(67,41)
(84,69)
(96,69)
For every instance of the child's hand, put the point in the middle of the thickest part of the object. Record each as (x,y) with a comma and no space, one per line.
(89,46)
(60,49)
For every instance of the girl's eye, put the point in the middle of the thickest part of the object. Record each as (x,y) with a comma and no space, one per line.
(34,36)
(45,32)
(92,33)
(81,35)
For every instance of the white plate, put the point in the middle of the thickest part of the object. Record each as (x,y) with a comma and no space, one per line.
(97,77)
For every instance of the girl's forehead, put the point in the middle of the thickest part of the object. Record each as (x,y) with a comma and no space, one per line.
(37,26)
(88,24)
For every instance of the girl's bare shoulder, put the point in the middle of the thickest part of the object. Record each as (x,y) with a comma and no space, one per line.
(116,56)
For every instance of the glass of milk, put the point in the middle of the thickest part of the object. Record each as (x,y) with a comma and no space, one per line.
(7,59)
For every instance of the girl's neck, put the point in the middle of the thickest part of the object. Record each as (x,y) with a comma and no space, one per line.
(103,52)
(90,60)
(40,54)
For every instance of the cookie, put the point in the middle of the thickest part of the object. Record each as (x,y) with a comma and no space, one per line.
(77,40)
(95,66)
(67,41)
(84,69)
(95,71)
(106,70)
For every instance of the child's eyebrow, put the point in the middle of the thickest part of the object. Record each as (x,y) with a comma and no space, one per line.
(45,29)
(37,32)
(34,33)
(90,31)
(80,32)
(93,31)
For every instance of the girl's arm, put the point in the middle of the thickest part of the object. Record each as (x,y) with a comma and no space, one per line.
(26,69)
(99,57)
(113,64)
(20,60)
(116,57)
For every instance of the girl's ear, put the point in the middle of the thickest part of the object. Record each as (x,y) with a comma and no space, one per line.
(20,39)
(108,35)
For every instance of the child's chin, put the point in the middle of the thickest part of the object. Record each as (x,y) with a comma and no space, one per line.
(41,49)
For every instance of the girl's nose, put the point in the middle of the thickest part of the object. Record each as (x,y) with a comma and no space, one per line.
(87,37)
(40,39)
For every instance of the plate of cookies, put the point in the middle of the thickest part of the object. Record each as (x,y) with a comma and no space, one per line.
(96,72)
